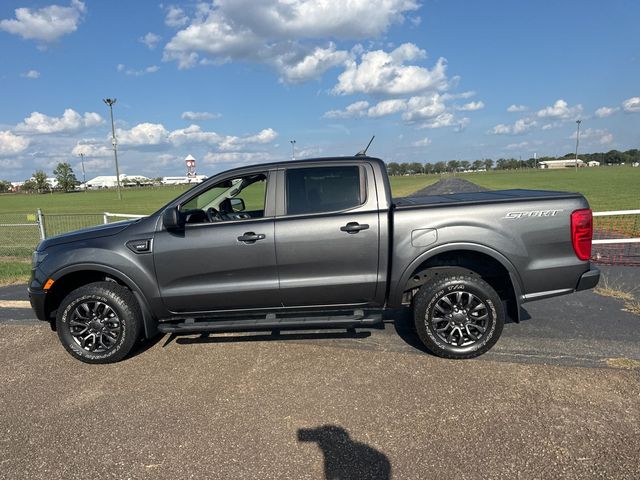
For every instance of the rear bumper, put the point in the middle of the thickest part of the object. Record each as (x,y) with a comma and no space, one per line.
(589,279)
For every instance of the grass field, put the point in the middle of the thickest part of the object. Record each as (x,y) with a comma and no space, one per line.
(606,188)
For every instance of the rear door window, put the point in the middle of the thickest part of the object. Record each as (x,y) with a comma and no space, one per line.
(323,189)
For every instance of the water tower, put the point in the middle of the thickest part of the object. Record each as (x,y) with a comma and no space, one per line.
(190,162)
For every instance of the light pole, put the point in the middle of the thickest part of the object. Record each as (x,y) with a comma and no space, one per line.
(110,102)
(84,177)
(578,122)
(293,149)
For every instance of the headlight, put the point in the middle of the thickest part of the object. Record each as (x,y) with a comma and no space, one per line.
(37,258)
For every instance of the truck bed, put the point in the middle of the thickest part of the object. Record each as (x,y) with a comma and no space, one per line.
(495,196)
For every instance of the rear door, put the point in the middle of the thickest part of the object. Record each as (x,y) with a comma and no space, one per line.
(327,235)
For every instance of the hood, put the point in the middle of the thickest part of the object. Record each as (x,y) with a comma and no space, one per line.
(85,234)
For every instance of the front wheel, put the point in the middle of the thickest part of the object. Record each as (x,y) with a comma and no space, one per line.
(99,323)
(458,316)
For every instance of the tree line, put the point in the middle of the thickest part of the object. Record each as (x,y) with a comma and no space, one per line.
(38,183)
(612,157)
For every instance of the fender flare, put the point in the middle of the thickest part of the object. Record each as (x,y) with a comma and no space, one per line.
(514,277)
(150,324)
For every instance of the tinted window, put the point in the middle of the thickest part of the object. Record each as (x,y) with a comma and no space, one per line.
(322,189)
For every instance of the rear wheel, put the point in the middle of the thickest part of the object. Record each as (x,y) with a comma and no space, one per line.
(458,316)
(99,322)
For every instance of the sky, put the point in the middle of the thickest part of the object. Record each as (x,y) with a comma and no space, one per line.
(233,82)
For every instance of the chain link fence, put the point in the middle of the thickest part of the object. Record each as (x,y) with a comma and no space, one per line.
(616,237)
(21,233)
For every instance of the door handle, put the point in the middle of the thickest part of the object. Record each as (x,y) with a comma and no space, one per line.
(250,237)
(354,227)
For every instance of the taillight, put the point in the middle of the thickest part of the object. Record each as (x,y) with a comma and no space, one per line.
(582,233)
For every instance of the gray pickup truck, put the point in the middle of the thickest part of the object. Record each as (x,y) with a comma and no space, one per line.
(313,244)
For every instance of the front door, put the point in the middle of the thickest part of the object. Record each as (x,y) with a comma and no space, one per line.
(224,258)
(327,237)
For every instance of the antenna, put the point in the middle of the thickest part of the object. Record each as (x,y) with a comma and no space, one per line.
(363,153)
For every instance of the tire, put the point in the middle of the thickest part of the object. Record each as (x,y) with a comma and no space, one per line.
(99,323)
(458,316)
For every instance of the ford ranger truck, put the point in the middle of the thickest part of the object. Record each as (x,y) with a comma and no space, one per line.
(313,244)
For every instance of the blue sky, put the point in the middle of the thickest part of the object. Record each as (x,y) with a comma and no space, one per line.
(233,81)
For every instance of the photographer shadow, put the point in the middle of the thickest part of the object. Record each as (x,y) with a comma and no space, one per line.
(344,458)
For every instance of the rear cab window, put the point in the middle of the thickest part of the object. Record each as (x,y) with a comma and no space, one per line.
(324,189)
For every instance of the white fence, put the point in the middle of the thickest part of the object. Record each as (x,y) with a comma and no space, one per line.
(616,237)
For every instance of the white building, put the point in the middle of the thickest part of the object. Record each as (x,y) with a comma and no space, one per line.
(109,181)
(593,163)
(183,180)
(565,163)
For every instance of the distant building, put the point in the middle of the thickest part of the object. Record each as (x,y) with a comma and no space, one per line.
(183,180)
(565,163)
(109,181)
(593,163)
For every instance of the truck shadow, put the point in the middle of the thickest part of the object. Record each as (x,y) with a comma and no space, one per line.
(345,458)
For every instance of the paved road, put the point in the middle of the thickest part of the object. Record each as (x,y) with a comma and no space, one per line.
(547,402)
(449,185)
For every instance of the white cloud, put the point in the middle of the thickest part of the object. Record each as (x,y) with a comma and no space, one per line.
(12,144)
(382,73)
(45,24)
(597,135)
(517,146)
(92,149)
(427,107)
(560,110)
(631,105)
(387,107)
(296,69)
(235,143)
(471,106)
(517,108)
(31,74)
(193,134)
(519,127)
(70,121)
(237,157)
(285,35)
(155,134)
(143,134)
(137,73)
(424,142)
(150,40)
(357,109)
(446,119)
(175,17)
(603,112)
(195,116)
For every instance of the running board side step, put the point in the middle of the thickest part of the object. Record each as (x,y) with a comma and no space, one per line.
(271,322)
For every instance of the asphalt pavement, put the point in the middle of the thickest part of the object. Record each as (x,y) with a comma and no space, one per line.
(557,397)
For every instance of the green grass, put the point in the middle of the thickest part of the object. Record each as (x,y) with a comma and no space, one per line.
(135,200)
(403,186)
(606,188)
(14,270)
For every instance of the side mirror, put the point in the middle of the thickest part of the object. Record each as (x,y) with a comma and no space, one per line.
(237,204)
(171,219)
